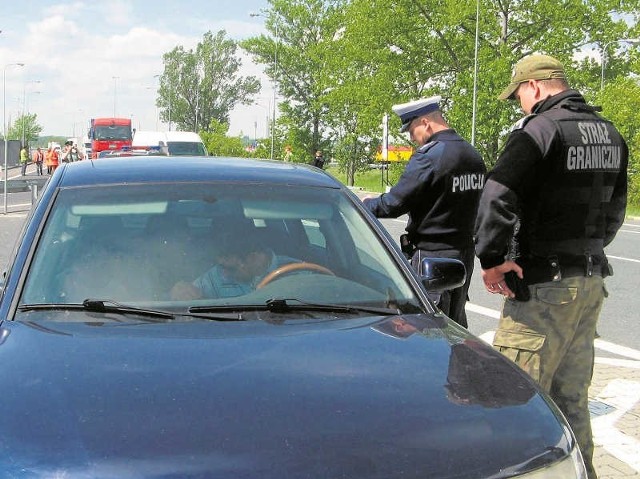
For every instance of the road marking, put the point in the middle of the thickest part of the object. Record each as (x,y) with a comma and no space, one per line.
(624,259)
(475,308)
(616,349)
(629,231)
(614,401)
(488,337)
(623,395)
(630,353)
(621,363)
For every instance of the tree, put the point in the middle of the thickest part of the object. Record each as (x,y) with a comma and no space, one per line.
(26,127)
(626,116)
(219,144)
(343,64)
(407,49)
(294,55)
(199,86)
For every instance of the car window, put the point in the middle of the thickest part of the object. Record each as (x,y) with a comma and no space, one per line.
(133,245)
(185,148)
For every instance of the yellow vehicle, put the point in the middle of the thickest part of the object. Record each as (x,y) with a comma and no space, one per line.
(395,153)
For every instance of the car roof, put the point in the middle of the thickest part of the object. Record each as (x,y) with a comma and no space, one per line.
(154,169)
(148,137)
(182,136)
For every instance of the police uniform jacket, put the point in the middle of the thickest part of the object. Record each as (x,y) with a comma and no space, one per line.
(559,186)
(439,190)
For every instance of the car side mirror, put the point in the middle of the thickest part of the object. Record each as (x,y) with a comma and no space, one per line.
(441,274)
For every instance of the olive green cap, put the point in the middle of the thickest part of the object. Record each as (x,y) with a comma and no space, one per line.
(533,67)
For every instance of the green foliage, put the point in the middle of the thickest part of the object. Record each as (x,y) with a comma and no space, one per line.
(395,171)
(407,49)
(369,180)
(199,86)
(25,128)
(341,65)
(43,141)
(626,116)
(294,55)
(218,143)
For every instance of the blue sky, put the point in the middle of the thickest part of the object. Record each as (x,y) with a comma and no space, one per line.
(73,50)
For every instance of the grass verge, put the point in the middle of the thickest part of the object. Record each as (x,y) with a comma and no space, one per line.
(370,180)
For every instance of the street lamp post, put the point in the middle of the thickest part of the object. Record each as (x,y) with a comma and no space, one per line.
(4,126)
(199,75)
(115,95)
(157,113)
(475,77)
(24,107)
(275,83)
(267,109)
(603,60)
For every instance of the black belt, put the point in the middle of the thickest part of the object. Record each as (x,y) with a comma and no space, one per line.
(555,267)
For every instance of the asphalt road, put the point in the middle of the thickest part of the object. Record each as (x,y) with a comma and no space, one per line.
(620,317)
(614,405)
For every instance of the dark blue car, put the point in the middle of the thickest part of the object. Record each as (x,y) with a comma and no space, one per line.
(229,318)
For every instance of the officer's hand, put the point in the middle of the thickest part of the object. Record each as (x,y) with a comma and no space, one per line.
(493,278)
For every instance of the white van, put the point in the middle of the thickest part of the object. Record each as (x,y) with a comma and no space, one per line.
(185,143)
(149,139)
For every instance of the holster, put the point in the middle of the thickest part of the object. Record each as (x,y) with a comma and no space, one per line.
(408,248)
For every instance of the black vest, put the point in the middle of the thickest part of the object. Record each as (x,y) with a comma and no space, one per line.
(576,181)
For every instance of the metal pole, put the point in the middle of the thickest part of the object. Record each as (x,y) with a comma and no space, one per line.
(275,82)
(475,78)
(4,133)
(115,82)
(275,87)
(24,101)
(24,108)
(4,128)
(603,60)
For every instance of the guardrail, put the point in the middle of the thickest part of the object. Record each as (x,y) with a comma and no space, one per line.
(20,185)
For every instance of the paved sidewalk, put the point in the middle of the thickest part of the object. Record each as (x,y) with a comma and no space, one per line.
(614,401)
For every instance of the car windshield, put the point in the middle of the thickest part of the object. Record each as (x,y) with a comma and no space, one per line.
(112,132)
(186,148)
(211,245)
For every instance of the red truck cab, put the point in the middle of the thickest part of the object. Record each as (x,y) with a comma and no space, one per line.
(109,134)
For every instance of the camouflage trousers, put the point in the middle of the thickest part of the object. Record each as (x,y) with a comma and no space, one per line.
(551,337)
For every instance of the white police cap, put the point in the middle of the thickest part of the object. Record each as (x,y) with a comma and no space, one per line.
(413,109)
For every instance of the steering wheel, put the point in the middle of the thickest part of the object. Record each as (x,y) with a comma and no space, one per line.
(288,268)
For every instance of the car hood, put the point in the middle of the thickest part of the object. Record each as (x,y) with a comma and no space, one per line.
(335,398)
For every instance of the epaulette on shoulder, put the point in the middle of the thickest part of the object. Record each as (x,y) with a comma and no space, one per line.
(519,125)
(427,146)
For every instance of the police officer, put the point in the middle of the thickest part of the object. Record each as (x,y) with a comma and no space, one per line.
(554,200)
(439,189)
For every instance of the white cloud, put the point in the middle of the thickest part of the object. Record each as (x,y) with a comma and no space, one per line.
(76,49)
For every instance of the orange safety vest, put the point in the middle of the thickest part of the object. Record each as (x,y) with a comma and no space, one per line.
(52,158)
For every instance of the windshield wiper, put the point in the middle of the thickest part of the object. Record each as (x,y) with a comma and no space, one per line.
(109,306)
(99,306)
(284,305)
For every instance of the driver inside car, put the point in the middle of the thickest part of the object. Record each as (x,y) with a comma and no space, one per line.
(243,263)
